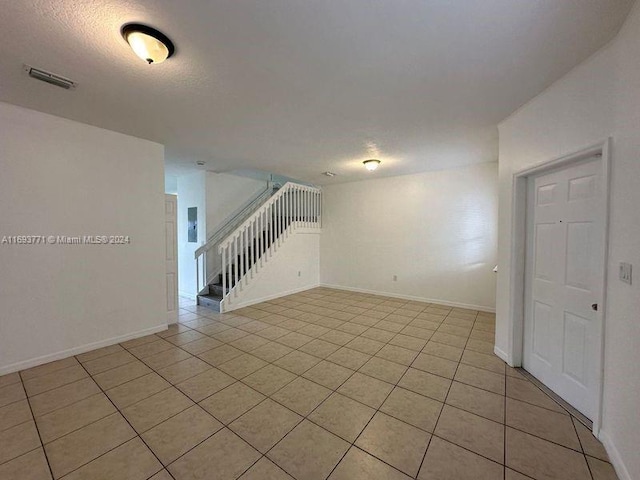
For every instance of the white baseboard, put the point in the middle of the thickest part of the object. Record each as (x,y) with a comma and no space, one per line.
(34,362)
(308,231)
(614,456)
(188,295)
(503,355)
(248,303)
(481,308)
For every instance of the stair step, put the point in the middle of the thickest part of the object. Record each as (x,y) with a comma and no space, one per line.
(210,301)
(216,289)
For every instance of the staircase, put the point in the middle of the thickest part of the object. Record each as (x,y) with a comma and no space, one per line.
(220,287)
(245,251)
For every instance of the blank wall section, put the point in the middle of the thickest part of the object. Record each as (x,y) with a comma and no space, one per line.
(59,177)
(227,195)
(599,98)
(435,231)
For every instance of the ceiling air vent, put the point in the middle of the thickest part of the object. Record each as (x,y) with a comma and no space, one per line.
(49,77)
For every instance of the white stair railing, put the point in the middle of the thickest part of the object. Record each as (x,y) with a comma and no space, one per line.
(205,269)
(246,250)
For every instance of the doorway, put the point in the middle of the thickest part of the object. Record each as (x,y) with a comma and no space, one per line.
(559,247)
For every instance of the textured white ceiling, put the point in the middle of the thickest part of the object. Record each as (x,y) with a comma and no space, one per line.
(298,87)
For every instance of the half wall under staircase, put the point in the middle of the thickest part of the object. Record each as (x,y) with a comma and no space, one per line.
(226,267)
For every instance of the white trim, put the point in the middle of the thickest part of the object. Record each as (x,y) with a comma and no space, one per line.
(517,273)
(501,354)
(248,303)
(172,200)
(481,308)
(172,317)
(606,172)
(34,362)
(518,256)
(614,456)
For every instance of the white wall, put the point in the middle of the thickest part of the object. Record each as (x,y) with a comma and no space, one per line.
(299,254)
(191,193)
(436,231)
(226,195)
(171,184)
(598,99)
(59,177)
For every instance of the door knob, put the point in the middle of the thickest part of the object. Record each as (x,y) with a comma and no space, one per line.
(594,306)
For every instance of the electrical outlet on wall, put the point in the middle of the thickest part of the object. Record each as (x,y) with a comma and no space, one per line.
(625,272)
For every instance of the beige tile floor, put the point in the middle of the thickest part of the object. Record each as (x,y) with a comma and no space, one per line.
(321,384)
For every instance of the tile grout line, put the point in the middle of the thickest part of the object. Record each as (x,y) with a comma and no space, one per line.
(568,409)
(333,391)
(33,419)
(584,454)
(153,370)
(57,386)
(303,377)
(377,410)
(504,430)
(79,428)
(225,426)
(383,402)
(315,408)
(352,444)
(119,445)
(443,403)
(171,385)
(445,399)
(303,418)
(395,333)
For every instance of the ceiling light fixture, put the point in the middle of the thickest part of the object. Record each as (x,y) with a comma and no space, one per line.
(371,164)
(148,43)
(329,174)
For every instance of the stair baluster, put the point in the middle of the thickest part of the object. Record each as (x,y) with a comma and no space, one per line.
(247,249)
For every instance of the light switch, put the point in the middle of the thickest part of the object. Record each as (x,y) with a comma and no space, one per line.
(625,272)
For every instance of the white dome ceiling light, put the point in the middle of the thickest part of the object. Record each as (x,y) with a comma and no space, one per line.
(371,164)
(148,43)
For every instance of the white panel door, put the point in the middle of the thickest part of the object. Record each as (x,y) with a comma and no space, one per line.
(171,256)
(564,281)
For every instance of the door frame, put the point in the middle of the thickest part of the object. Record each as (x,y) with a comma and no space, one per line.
(172,315)
(519,254)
